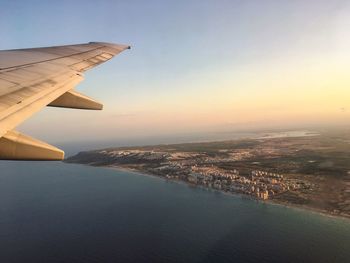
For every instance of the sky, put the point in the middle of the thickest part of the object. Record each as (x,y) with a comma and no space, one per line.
(195,66)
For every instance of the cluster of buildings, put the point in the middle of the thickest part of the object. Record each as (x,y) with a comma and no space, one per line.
(259,184)
(201,170)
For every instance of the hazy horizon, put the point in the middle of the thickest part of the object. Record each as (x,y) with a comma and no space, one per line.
(194,66)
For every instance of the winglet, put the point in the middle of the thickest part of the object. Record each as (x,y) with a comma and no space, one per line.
(76,100)
(17,146)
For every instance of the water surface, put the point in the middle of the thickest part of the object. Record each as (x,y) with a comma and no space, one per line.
(56,212)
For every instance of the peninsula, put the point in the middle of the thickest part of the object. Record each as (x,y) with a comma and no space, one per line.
(310,171)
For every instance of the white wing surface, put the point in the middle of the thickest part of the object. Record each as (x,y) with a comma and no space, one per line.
(31,79)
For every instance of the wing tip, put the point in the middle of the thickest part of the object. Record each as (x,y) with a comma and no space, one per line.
(112,45)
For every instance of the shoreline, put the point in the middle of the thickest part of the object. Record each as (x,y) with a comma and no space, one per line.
(270,201)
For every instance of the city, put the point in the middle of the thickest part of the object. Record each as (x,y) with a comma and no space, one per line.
(310,171)
(198,169)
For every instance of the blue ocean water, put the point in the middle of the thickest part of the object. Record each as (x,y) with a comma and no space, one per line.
(56,212)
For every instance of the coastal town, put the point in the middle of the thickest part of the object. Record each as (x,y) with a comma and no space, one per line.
(198,169)
(308,171)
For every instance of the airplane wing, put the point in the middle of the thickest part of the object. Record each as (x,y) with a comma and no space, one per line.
(31,79)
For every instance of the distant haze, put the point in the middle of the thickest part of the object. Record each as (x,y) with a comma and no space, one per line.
(194,66)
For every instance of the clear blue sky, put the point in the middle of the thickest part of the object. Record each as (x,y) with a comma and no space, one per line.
(185,61)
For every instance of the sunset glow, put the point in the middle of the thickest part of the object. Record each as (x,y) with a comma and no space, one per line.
(196,66)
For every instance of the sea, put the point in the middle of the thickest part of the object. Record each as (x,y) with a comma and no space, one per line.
(58,212)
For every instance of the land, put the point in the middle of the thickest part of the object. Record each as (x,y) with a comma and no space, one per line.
(310,170)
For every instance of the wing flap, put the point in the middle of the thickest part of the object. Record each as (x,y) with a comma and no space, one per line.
(75,100)
(17,146)
(22,107)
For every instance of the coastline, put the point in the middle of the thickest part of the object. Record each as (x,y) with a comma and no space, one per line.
(269,202)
